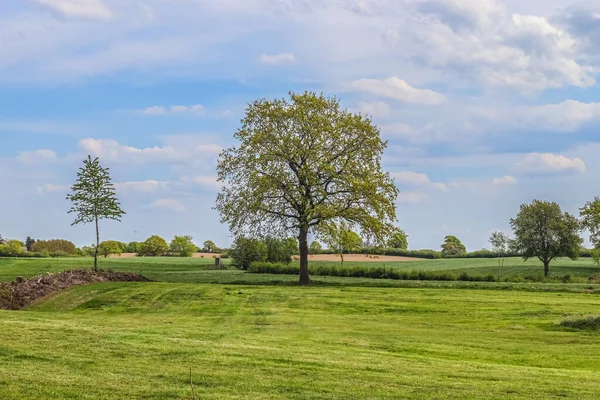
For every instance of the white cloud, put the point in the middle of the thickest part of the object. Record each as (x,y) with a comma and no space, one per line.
(545,163)
(160,110)
(52,188)
(374,109)
(113,151)
(416,179)
(169,204)
(88,9)
(208,181)
(567,116)
(277,59)
(410,197)
(505,180)
(396,88)
(148,186)
(37,157)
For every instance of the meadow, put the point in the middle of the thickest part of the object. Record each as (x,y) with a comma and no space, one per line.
(258,336)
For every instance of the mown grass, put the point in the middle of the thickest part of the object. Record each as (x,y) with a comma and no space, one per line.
(125,341)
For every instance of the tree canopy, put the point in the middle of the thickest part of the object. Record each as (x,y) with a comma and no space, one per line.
(93,198)
(301,163)
(109,247)
(544,231)
(209,247)
(590,220)
(154,246)
(452,246)
(398,240)
(183,246)
(341,239)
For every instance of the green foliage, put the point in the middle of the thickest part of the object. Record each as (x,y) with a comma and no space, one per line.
(300,164)
(452,246)
(595,254)
(315,248)
(398,240)
(544,231)
(131,247)
(341,239)
(11,248)
(29,243)
(93,197)
(280,250)
(586,323)
(154,246)
(245,251)
(182,246)
(590,220)
(54,245)
(109,247)
(209,247)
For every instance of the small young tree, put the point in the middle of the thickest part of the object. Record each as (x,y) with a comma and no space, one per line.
(452,246)
(182,246)
(109,247)
(500,243)
(93,198)
(544,231)
(341,239)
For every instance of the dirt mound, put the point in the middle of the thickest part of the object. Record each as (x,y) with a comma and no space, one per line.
(20,293)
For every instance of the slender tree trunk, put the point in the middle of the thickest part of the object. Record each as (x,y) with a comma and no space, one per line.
(97,245)
(303,247)
(546,268)
(342,257)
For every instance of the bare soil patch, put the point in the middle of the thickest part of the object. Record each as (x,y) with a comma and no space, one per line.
(20,293)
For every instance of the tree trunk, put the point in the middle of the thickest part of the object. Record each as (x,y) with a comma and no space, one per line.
(303,247)
(342,257)
(546,268)
(97,245)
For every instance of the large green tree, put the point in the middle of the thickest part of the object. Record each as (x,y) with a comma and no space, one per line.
(301,163)
(183,246)
(398,240)
(209,247)
(93,198)
(452,246)
(109,247)
(544,231)
(245,251)
(154,246)
(590,220)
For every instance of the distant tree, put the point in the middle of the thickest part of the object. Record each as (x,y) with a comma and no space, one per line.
(93,198)
(280,250)
(590,220)
(109,247)
(398,240)
(341,239)
(11,248)
(2,240)
(182,246)
(595,253)
(209,247)
(88,250)
(245,251)
(154,246)
(544,231)
(29,243)
(500,245)
(131,247)
(315,247)
(452,246)
(53,246)
(302,163)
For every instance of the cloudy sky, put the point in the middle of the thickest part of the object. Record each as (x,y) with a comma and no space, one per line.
(486,103)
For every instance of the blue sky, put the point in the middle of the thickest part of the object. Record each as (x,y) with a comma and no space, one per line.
(486,104)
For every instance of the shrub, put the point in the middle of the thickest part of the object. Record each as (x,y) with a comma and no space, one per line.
(54,245)
(280,250)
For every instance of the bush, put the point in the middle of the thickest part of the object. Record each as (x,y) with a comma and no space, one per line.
(280,250)
(54,245)
(245,251)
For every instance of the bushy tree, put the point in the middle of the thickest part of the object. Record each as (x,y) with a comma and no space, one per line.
(11,248)
(245,251)
(500,245)
(88,250)
(280,250)
(595,253)
(590,220)
(182,246)
(154,246)
(341,239)
(131,247)
(209,247)
(109,247)
(452,246)
(53,246)
(315,247)
(301,164)
(544,231)
(93,198)
(398,240)
(29,243)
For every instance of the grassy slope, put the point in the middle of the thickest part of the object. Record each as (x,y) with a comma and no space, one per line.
(170,269)
(136,340)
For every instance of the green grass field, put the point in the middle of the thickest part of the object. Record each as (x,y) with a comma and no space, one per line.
(256,336)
